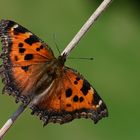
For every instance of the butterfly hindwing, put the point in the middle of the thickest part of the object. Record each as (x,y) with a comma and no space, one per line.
(68,98)
(23,55)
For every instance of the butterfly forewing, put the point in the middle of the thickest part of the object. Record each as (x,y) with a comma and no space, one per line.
(23,55)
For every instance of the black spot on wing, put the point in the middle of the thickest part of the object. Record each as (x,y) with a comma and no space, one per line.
(37,49)
(85,87)
(16,58)
(77,78)
(68,105)
(31,40)
(81,99)
(75,82)
(28,57)
(19,29)
(41,47)
(68,92)
(20,45)
(22,50)
(25,68)
(75,98)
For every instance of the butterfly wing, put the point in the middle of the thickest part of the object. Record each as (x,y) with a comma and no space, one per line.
(23,55)
(67,98)
(62,98)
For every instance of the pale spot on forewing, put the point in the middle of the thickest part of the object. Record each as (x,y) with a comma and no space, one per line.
(97,106)
(92,91)
(100,102)
(38,97)
(15,26)
(29,33)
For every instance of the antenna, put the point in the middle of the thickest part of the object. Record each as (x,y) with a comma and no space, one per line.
(83,58)
(54,36)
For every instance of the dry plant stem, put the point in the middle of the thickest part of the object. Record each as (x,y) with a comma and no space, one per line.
(86,27)
(67,51)
(11,120)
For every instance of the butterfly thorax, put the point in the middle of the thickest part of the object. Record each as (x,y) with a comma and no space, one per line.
(55,67)
(49,72)
(61,60)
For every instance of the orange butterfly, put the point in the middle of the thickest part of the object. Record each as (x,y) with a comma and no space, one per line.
(33,75)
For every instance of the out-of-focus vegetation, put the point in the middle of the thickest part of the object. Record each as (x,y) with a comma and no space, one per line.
(114,42)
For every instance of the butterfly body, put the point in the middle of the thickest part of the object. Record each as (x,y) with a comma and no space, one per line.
(33,75)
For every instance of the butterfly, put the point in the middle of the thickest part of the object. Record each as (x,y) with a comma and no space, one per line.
(33,75)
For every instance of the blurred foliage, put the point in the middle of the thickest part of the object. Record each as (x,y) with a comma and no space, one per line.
(113,42)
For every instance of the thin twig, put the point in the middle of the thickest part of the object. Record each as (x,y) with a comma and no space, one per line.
(86,27)
(11,120)
(67,51)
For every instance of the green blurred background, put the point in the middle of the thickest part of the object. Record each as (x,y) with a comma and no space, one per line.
(114,42)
